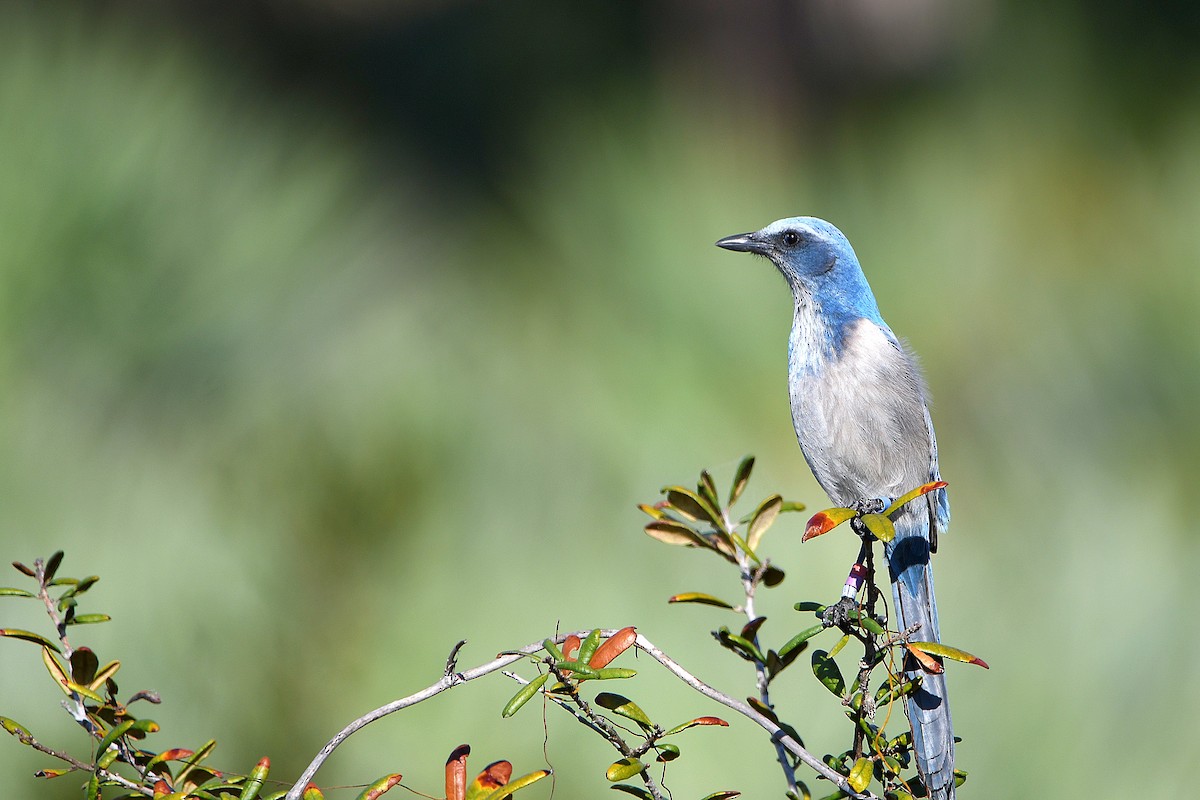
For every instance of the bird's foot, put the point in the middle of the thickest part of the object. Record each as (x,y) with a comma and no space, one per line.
(840,613)
(870,505)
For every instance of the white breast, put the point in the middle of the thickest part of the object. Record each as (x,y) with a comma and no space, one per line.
(859,414)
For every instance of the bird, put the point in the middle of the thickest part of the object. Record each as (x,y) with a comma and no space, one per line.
(860,408)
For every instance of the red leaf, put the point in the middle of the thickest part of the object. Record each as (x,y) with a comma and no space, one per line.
(456,773)
(927,662)
(825,521)
(570,646)
(616,644)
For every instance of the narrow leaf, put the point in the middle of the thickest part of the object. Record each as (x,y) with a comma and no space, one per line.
(837,648)
(788,651)
(7,592)
(809,605)
(380,787)
(173,754)
(254,782)
(114,733)
(791,505)
(908,497)
(610,673)
(692,506)
(36,638)
(588,648)
(824,521)
(612,647)
(636,791)
(740,479)
(652,511)
(552,650)
(52,565)
(15,728)
(624,769)
(56,670)
(580,669)
(700,597)
(727,794)
(881,526)
(698,721)
(89,619)
(522,697)
(945,651)
(570,646)
(84,691)
(927,662)
(764,517)
(52,773)
(675,533)
(456,773)
(104,674)
(517,784)
(24,569)
(619,704)
(708,490)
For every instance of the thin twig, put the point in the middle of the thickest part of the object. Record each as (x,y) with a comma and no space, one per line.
(499,663)
(113,777)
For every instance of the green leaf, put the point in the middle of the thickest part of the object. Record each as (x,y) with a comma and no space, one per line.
(552,650)
(52,773)
(727,794)
(837,648)
(700,597)
(52,565)
(675,533)
(36,638)
(203,752)
(114,733)
(588,648)
(860,775)
(624,769)
(945,651)
(7,592)
(619,704)
(692,506)
(793,648)
(56,670)
(791,505)
(740,479)
(667,752)
(89,619)
(764,517)
(828,673)
(809,605)
(745,548)
(15,728)
(84,691)
(708,490)
(580,669)
(908,497)
(379,787)
(636,791)
(312,792)
(522,697)
(881,526)
(743,647)
(613,673)
(518,783)
(894,690)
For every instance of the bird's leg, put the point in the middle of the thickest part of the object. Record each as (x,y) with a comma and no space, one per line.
(839,613)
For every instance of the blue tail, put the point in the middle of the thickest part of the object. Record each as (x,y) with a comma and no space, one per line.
(912,592)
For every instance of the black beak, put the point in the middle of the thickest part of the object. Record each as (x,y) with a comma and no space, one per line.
(744,243)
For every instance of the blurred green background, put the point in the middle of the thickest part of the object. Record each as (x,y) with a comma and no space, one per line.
(336,332)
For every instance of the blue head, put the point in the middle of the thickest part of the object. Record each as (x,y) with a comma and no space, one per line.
(818,263)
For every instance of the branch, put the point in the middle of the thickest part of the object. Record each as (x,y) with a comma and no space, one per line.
(114,777)
(452,679)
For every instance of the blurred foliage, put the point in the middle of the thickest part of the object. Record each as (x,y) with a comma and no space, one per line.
(262,341)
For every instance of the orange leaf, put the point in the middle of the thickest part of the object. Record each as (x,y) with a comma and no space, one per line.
(825,521)
(927,662)
(616,644)
(570,646)
(492,778)
(456,773)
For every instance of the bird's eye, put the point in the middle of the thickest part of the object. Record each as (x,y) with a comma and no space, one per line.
(791,239)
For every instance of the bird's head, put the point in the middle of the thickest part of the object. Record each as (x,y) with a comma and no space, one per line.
(817,261)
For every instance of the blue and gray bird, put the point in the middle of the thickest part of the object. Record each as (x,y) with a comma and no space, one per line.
(860,409)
